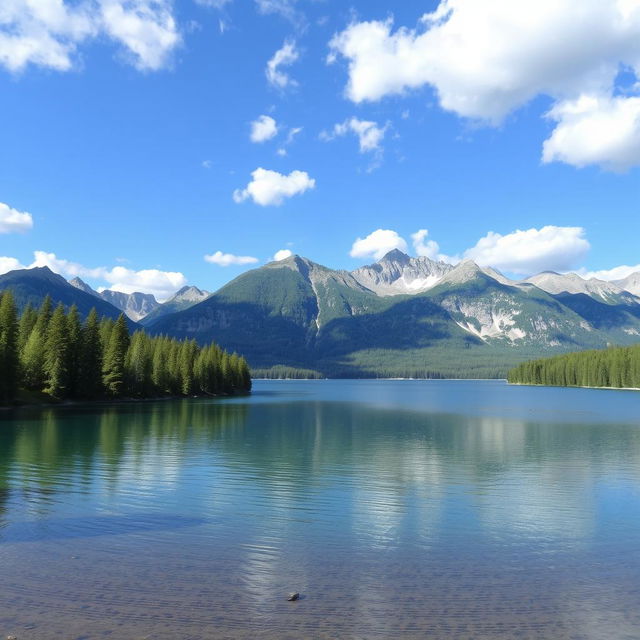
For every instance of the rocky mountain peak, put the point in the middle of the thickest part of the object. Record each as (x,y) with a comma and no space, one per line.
(78,283)
(395,256)
(397,273)
(189,293)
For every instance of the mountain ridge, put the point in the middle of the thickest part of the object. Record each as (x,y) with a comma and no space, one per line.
(467,320)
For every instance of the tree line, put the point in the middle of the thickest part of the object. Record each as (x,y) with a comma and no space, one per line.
(614,367)
(52,351)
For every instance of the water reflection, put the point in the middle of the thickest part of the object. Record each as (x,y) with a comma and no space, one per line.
(389,518)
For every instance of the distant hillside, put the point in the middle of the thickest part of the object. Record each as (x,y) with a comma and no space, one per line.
(33,285)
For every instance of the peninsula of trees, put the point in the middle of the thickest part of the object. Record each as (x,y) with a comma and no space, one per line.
(52,352)
(616,367)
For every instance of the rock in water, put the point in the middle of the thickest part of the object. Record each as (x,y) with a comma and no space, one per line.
(293,596)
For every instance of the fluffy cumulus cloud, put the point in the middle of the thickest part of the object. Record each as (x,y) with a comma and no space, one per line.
(263,128)
(424,247)
(47,33)
(14,221)
(370,135)
(595,130)
(162,284)
(283,57)
(531,251)
(377,244)
(486,59)
(283,254)
(268,188)
(228,259)
(9,264)
(146,28)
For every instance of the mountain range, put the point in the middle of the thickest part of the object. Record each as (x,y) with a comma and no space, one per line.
(400,316)
(143,307)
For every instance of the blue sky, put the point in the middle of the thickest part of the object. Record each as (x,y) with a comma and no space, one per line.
(127,151)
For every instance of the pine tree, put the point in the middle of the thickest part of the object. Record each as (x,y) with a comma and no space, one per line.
(56,359)
(113,368)
(27,322)
(74,336)
(9,359)
(90,359)
(33,353)
(159,373)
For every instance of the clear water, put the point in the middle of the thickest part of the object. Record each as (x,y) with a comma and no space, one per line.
(414,509)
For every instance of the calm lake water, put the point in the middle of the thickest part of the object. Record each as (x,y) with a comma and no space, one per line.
(414,509)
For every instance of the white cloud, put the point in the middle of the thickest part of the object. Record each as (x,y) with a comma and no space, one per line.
(377,244)
(14,221)
(146,28)
(228,259)
(595,130)
(283,57)
(263,128)
(430,248)
(486,59)
(369,134)
(285,8)
(616,273)
(283,254)
(293,132)
(9,264)
(271,188)
(531,251)
(47,33)
(162,284)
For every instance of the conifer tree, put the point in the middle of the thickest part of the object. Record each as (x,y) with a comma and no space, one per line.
(27,322)
(74,337)
(33,353)
(56,357)
(90,359)
(113,367)
(9,359)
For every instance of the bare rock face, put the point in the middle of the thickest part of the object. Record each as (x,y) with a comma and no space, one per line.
(396,273)
(83,286)
(610,292)
(630,283)
(135,305)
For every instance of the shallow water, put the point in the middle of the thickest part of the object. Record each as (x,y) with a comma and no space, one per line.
(439,509)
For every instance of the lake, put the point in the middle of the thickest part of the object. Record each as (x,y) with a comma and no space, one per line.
(414,509)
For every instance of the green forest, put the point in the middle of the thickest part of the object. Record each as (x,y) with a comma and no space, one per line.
(51,353)
(614,367)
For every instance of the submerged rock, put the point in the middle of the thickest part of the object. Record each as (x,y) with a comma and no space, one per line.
(294,595)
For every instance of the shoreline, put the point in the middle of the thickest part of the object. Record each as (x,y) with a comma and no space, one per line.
(571,386)
(110,401)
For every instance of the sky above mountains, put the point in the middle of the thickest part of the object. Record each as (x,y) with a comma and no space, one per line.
(149,144)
